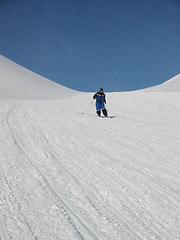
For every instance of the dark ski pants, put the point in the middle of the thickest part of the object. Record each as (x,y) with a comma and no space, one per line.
(99,107)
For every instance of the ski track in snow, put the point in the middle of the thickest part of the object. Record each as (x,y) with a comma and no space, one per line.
(67,174)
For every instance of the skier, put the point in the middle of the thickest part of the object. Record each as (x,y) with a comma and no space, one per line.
(100,101)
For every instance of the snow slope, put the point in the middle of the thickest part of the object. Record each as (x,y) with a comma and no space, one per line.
(66,174)
(171,85)
(18,82)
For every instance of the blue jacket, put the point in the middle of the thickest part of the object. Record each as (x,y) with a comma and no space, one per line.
(100,97)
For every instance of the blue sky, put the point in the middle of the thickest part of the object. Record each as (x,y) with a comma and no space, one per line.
(119,45)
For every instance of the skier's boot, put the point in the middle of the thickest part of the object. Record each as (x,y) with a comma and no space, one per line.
(98,113)
(104,112)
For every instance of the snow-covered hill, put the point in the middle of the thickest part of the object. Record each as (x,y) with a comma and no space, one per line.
(172,85)
(66,174)
(18,82)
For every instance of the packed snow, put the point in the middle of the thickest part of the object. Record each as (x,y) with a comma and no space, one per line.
(67,174)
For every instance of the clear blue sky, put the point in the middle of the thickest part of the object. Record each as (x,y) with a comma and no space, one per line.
(119,45)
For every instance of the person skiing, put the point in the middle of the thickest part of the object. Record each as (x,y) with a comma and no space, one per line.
(100,101)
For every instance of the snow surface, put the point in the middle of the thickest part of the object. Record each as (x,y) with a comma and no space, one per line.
(66,174)
(19,83)
(172,85)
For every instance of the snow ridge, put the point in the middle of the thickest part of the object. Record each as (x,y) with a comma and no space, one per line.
(172,85)
(18,82)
